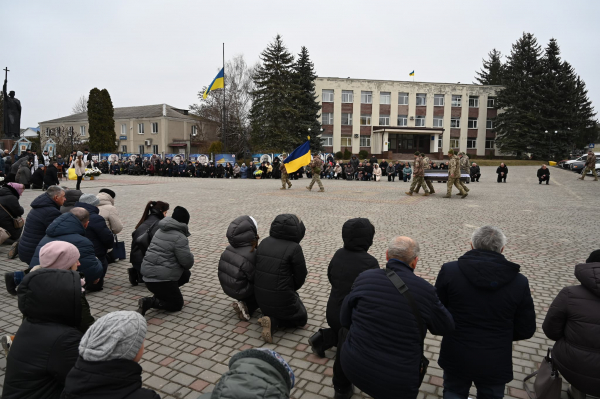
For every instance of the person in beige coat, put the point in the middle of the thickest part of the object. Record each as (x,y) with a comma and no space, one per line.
(108,210)
(79,164)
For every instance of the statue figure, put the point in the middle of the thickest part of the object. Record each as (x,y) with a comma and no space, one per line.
(12,113)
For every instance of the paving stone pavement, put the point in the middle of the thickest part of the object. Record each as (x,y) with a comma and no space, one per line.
(550,229)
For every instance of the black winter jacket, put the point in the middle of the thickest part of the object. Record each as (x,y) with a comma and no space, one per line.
(37,178)
(136,256)
(347,263)
(281,269)
(97,231)
(47,345)
(573,321)
(115,379)
(382,352)
(71,197)
(492,307)
(236,266)
(475,170)
(9,199)
(43,212)
(543,172)
(502,169)
(51,176)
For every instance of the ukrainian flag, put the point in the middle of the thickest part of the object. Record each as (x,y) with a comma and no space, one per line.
(217,83)
(412,73)
(298,158)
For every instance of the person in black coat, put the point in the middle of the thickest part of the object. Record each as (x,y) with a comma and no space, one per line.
(492,307)
(475,172)
(9,200)
(37,178)
(373,160)
(280,272)
(543,174)
(383,165)
(381,353)
(237,264)
(45,349)
(153,213)
(502,171)
(345,266)
(71,197)
(51,176)
(572,321)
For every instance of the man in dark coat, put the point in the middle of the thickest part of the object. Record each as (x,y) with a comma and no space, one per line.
(354,163)
(492,306)
(382,352)
(543,174)
(37,178)
(280,272)
(373,160)
(345,266)
(475,172)
(71,197)
(51,176)
(9,199)
(47,340)
(383,165)
(572,321)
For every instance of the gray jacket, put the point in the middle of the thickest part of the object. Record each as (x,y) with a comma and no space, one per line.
(169,252)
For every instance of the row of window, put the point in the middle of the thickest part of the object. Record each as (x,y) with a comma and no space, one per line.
(142,149)
(327,141)
(385,97)
(71,128)
(384,120)
(471,143)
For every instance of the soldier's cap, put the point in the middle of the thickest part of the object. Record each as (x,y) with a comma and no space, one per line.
(450,152)
(417,153)
(461,153)
(422,154)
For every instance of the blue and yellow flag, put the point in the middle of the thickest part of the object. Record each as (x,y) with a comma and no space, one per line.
(217,83)
(412,73)
(298,158)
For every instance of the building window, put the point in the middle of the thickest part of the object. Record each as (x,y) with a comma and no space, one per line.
(489,124)
(438,100)
(402,98)
(456,101)
(327,118)
(384,120)
(489,144)
(438,121)
(82,130)
(140,128)
(347,96)
(453,143)
(366,97)
(421,99)
(346,141)
(402,120)
(471,143)
(194,130)
(155,149)
(472,123)
(47,132)
(154,127)
(141,149)
(365,120)
(327,96)
(420,121)
(473,102)
(454,122)
(385,97)
(124,148)
(365,141)
(347,119)
(491,103)
(327,141)
(440,143)
(123,129)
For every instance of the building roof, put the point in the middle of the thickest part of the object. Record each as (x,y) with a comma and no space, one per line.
(408,81)
(143,111)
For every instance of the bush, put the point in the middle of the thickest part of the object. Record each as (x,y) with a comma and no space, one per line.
(347,154)
(339,155)
(363,154)
(216,147)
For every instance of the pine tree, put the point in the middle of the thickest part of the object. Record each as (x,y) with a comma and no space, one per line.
(274,114)
(101,119)
(491,73)
(306,102)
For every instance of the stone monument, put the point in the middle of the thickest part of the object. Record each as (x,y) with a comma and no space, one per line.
(11,112)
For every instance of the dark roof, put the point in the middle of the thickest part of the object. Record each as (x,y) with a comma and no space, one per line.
(143,111)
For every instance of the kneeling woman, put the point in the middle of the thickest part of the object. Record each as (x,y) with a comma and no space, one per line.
(167,263)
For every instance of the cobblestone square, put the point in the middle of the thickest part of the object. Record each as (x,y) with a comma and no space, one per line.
(549,228)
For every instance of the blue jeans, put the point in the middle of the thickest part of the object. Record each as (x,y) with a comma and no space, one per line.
(456,387)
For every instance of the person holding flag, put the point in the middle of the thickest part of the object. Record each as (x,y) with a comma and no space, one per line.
(316,166)
(298,158)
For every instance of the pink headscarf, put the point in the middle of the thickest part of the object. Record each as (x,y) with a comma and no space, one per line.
(17,186)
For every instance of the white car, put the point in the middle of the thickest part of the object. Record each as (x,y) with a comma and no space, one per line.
(567,164)
(597,170)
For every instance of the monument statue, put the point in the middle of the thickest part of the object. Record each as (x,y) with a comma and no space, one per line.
(12,113)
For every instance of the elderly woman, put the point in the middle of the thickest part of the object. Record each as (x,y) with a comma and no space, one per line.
(337,171)
(244,171)
(502,171)
(236,171)
(376,172)
(349,171)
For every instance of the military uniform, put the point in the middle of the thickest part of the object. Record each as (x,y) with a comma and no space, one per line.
(590,165)
(316,166)
(284,177)
(426,166)
(418,173)
(464,168)
(454,177)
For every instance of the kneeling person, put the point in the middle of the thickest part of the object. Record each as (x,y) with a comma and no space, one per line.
(543,174)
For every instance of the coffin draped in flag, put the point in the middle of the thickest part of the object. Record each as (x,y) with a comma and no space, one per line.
(298,158)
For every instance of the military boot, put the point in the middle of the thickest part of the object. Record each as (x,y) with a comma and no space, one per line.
(289,185)
(408,193)
(308,188)
(464,195)
(322,190)
(425,194)
(447,196)
(282,188)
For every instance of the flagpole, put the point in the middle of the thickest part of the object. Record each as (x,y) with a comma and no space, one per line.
(224,116)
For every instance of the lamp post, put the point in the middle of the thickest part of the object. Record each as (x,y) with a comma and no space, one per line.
(550,143)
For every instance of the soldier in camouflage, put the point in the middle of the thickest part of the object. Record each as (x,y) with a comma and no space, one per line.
(316,166)
(284,175)
(454,175)
(426,166)
(418,176)
(590,165)
(464,168)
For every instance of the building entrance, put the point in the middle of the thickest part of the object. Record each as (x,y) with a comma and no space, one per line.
(409,143)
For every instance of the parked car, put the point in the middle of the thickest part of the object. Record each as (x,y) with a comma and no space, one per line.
(597,169)
(580,159)
(577,166)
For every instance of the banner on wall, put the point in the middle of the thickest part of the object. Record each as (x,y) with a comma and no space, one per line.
(104,156)
(202,158)
(224,158)
(170,156)
(146,157)
(260,158)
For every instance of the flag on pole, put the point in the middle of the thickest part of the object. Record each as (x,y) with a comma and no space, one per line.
(412,73)
(298,158)
(217,83)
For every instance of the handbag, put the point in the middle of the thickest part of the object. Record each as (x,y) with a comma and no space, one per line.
(403,289)
(4,235)
(548,383)
(118,251)
(143,241)
(17,222)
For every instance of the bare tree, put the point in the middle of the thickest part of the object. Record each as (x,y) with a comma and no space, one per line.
(80,106)
(66,139)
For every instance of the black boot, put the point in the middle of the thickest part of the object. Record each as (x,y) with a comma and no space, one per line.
(316,344)
(144,304)
(9,280)
(133,276)
(343,394)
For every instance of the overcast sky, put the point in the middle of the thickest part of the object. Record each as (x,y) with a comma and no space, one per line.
(150,52)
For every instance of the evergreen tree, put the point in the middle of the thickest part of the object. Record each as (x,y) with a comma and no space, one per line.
(306,102)
(101,119)
(274,110)
(491,73)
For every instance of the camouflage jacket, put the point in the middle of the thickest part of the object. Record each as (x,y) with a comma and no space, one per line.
(464,163)
(454,167)
(418,168)
(590,162)
(426,163)
(316,165)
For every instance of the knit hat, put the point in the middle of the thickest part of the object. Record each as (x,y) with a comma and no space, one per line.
(89,199)
(79,153)
(58,255)
(109,192)
(117,335)
(181,215)
(18,187)
(594,257)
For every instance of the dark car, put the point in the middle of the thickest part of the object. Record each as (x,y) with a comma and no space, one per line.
(577,166)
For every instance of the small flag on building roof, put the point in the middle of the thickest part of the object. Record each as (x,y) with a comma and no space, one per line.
(412,73)
(217,83)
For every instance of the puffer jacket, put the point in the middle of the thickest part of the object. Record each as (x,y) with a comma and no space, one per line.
(169,252)
(51,176)
(97,231)
(347,263)
(43,212)
(68,228)
(136,256)
(15,166)
(109,212)
(573,322)
(71,197)
(281,268)
(9,199)
(23,174)
(37,178)
(48,340)
(236,266)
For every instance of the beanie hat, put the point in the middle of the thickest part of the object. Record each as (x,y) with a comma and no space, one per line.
(117,335)
(89,199)
(18,187)
(594,257)
(109,192)
(181,215)
(58,255)
(79,153)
